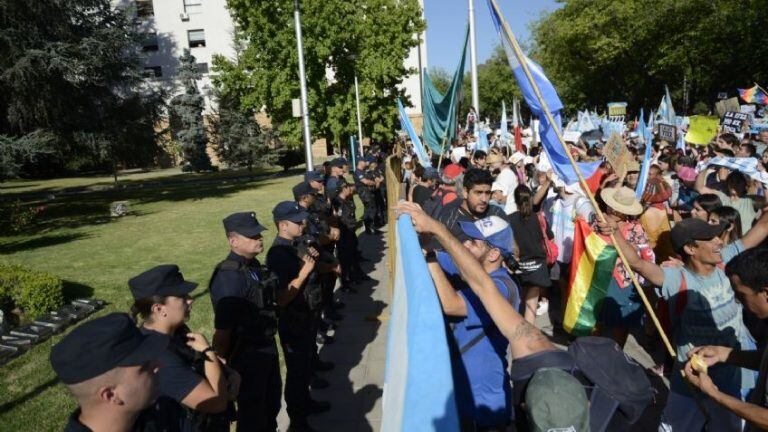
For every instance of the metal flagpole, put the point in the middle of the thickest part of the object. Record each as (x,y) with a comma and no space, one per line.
(303,85)
(473,60)
(359,122)
(582,181)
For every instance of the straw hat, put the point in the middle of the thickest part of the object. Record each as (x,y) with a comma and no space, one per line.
(622,200)
(494,158)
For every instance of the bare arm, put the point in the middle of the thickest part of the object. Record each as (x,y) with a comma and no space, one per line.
(755,236)
(541,192)
(294,287)
(453,304)
(524,338)
(701,182)
(652,272)
(210,395)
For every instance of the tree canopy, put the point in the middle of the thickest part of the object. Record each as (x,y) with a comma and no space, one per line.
(596,51)
(341,37)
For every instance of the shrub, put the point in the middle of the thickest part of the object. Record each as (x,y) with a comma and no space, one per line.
(34,292)
(289,157)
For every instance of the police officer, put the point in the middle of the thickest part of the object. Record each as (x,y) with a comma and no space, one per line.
(365,184)
(109,367)
(243,293)
(380,193)
(347,250)
(194,385)
(338,167)
(294,263)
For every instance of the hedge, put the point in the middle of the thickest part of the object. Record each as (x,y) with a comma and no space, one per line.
(34,292)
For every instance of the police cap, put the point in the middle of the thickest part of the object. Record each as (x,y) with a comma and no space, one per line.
(339,162)
(163,280)
(243,223)
(290,211)
(302,189)
(314,176)
(103,344)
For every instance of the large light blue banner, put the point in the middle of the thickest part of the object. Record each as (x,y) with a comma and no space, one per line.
(418,387)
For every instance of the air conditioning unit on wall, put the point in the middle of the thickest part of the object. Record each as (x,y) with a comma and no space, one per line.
(184,16)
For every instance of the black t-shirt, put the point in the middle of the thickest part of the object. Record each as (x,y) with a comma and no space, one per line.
(421,194)
(148,421)
(74,425)
(453,213)
(527,234)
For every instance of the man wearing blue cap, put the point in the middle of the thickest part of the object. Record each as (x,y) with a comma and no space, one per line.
(109,367)
(294,264)
(245,319)
(479,353)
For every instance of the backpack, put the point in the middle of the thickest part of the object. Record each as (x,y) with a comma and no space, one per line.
(550,247)
(618,389)
(439,199)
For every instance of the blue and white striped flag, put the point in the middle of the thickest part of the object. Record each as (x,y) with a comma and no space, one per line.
(645,170)
(552,147)
(418,147)
(747,165)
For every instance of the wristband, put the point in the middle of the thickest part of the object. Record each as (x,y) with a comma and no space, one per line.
(206,351)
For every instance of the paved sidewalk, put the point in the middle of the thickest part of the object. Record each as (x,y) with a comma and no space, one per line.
(359,351)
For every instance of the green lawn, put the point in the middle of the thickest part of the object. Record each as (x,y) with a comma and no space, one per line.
(76,240)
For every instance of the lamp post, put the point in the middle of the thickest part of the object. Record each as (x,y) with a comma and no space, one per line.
(473,59)
(359,122)
(303,86)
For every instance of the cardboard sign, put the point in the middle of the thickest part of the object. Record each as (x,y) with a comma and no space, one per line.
(702,130)
(733,121)
(667,133)
(617,154)
(724,106)
(616,109)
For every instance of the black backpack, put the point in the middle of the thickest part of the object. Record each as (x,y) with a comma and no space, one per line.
(617,387)
(434,205)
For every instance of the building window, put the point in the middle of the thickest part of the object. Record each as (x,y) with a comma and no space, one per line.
(202,68)
(144,9)
(193,6)
(196,38)
(150,42)
(153,72)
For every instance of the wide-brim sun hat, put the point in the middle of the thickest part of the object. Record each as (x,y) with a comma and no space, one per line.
(622,200)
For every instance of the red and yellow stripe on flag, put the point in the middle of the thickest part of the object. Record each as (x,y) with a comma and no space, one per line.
(591,272)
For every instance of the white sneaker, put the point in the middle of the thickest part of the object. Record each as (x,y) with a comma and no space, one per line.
(543,307)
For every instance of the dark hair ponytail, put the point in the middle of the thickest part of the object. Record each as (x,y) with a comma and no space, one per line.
(143,307)
(524,201)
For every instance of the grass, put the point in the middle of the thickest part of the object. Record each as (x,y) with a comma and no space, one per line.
(76,240)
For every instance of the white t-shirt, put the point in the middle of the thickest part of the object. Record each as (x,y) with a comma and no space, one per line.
(457,153)
(508,178)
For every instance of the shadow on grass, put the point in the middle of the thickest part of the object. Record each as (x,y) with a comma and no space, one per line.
(30,395)
(75,290)
(38,242)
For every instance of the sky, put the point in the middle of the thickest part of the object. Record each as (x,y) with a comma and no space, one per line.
(446,20)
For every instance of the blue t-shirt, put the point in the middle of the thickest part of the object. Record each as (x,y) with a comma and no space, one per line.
(480,376)
(711,317)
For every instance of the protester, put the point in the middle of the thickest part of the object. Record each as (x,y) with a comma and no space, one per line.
(729,217)
(475,204)
(530,251)
(736,185)
(708,313)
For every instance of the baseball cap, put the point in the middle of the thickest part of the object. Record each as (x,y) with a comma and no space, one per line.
(339,162)
(243,223)
(163,280)
(496,186)
(102,344)
(492,229)
(693,229)
(301,189)
(314,176)
(516,157)
(556,401)
(290,211)
(370,159)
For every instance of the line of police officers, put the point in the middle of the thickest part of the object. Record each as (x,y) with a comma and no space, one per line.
(163,377)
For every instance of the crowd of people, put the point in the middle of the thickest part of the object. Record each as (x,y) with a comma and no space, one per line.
(147,371)
(498,228)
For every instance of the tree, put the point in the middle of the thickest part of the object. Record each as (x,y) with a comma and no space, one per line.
(239,139)
(69,77)
(188,110)
(496,83)
(596,51)
(370,38)
(440,78)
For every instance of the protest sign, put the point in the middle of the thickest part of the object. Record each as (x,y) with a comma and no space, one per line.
(667,133)
(724,106)
(616,109)
(571,136)
(702,130)
(617,153)
(733,121)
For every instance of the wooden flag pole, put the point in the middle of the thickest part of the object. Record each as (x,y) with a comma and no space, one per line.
(582,182)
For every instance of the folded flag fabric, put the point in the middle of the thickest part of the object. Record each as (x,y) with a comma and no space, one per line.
(746,165)
(591,272)
(754,95)
(418,147)
(551,144)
